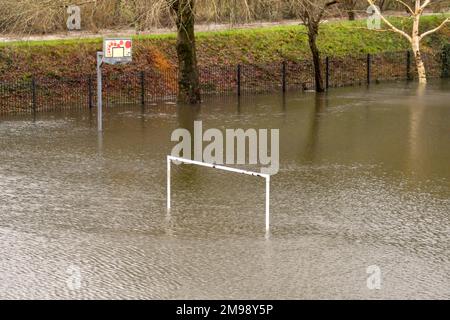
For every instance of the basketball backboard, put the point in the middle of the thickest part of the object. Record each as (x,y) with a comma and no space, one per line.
(117,50)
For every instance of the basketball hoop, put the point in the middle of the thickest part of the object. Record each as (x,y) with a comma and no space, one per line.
(115,51)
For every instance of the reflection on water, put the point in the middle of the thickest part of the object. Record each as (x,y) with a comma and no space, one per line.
(364,180)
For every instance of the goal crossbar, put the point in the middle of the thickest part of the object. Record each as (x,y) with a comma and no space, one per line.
(170,159)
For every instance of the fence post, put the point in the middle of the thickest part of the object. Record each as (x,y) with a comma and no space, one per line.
(33,93)
(327,73)
(142,88)
(408,65)
(284,76)
(369,67)
(239,80)
(90,91)
(446,61)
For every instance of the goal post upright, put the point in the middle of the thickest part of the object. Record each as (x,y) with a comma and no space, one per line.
(169,161)
(223,168)
(267,203)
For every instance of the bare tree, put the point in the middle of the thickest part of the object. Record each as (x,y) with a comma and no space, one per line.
(312,13)
(382,4)
(349,7)
(415,37)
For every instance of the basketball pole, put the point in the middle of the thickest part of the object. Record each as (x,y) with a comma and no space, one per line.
(99,92)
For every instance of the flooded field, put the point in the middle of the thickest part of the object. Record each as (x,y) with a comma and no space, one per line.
(364,181)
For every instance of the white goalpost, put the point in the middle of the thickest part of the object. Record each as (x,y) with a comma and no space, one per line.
(219,167)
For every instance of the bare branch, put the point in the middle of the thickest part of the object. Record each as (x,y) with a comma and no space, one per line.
(425,4)
(435,29)
(407,6)
(394,28)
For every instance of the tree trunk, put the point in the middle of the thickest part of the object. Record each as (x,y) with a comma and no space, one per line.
(381,5)
(419,63)
(189,84)
(312,37)
(417,54)
(117,7)
(351,15)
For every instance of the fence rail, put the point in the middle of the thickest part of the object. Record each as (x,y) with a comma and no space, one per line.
(45,94)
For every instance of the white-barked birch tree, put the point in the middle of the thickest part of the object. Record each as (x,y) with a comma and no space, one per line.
(416,11)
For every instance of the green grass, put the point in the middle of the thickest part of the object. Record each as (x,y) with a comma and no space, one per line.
(51,43)
(255,45)
(291,42)
(334,36)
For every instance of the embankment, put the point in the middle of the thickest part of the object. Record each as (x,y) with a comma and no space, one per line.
(68,58)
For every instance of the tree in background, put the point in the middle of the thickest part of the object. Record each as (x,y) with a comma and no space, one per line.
(396,5)
(311,13)
(349,6)
(415,10)
(188,81)
(382,4)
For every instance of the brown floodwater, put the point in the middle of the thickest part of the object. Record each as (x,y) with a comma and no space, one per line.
(364,180)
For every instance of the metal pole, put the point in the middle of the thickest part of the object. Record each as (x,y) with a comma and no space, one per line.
(284,76)
(368,68)
(142,88)
(267,203)
(446,61)
(99,92)
(239,80)
(168,182)
(90,92)
(219,167)
(33,93)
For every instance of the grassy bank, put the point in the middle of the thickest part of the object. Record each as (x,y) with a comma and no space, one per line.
(67,58)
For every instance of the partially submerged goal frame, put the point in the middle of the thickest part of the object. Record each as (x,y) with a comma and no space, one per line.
(219,167)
